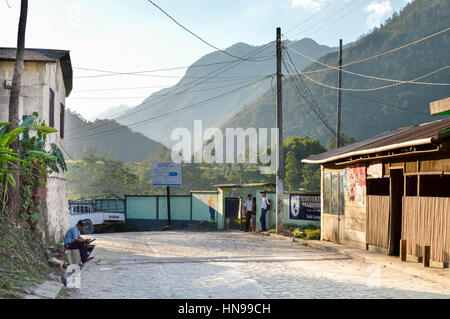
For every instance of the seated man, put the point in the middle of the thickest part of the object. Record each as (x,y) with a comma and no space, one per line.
(74,241)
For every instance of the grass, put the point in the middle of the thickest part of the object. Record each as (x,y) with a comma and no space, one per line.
(307,232)
(22,257)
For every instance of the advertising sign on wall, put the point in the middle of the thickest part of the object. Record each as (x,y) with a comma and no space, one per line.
(304,206)
(355,186)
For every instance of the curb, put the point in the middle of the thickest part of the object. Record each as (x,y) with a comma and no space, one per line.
(439,276)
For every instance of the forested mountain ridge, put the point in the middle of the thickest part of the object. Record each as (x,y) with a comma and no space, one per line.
(120,143)
(237,84)
(366,113)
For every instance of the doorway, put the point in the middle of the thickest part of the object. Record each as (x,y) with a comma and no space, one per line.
(395,211)
(232,213)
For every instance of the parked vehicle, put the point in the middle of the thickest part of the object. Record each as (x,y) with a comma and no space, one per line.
(96,213)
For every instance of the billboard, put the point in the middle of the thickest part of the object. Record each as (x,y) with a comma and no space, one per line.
(304,206)
(166,174)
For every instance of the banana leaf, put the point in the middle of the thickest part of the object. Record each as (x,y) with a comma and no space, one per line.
(45,129)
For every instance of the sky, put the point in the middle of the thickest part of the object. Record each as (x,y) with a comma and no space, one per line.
(133,35)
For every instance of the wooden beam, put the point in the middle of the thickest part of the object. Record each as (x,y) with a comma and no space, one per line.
(403,250)
(441,107)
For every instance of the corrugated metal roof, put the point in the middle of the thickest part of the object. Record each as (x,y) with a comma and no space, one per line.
(37,55)
(400,136)
(44,56)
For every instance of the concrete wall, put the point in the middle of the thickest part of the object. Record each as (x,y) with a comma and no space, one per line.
(37,80)
(147,212)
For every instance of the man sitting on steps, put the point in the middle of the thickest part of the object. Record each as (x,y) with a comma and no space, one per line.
(74,241)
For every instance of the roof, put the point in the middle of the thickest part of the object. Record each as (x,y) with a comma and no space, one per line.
(403,137)
(243,185)
(44,56)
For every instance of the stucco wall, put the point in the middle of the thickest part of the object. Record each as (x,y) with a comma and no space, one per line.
(37,79)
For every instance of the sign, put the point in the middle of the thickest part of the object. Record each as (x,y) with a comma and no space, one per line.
(166,174)
(355,186)
(304,206)
(375,170)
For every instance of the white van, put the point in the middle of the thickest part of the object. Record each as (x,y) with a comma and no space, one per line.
(86,211)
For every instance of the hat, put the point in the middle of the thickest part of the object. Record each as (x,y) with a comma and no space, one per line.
(263,192)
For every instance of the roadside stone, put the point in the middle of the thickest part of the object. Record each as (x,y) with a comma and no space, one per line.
(47,290)
(56,262)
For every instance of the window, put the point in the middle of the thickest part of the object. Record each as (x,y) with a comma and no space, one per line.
(435,185)
(378,186)
(411,185)
(61,120)
(333,193)
(51,111)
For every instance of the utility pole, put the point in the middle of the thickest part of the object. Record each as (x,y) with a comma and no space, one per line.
(14,201)
(169,219)
(279,155)
(339,98)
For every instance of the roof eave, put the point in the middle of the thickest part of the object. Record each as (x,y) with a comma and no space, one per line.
(422,141)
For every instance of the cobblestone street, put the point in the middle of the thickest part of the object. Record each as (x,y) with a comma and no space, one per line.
(182,264)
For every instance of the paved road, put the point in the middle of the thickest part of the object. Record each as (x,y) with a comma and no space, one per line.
(181,264)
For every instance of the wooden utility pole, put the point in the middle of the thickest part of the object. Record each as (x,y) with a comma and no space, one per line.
(339,98)
(14,201)
(279,155)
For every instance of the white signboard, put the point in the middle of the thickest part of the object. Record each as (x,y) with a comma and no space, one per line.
(166,174)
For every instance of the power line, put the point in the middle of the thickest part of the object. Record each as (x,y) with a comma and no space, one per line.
(112,73)
(380,54)
(387,104)
(156,95)
(325,19)
(369,76)
(376,88)
(195,35)
(126,113)
(139,123)
(310,17)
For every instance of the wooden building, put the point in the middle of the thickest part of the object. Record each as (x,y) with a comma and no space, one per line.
(392,187)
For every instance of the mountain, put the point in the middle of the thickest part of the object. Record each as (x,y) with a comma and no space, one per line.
(367,113)
(110,113)
(238,84)
(108,138)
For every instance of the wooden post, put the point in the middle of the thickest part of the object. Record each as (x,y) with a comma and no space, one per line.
(426,256)
(339,98)
(403,249)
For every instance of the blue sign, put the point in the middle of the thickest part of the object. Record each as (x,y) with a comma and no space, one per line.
(304,206)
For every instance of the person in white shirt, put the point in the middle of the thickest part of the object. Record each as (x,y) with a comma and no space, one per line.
(265,205)
(249,211)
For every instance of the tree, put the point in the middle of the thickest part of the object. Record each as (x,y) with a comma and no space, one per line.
(14,194)
(345,140)
(296,149)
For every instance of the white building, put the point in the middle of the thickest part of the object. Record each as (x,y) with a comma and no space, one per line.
(46,82)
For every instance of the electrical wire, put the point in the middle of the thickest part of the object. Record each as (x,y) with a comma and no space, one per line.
(177,111)
(195,35)
(371,76)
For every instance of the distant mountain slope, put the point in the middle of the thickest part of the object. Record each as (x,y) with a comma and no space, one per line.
(122,143)
(365,114)
(110,113)
(196,89)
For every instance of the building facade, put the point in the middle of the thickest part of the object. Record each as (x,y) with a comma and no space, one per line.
(389,191)
(46,82)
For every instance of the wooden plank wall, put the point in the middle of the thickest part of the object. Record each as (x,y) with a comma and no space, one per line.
(426,221)
(355,224)
(377,220)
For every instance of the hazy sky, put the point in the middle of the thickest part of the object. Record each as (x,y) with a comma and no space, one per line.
(133,35)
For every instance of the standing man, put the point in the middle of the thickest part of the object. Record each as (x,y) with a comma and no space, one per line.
(249,211)
(74,241)
(265,205)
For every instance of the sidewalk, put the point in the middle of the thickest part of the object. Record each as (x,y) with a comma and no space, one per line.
(441,276)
